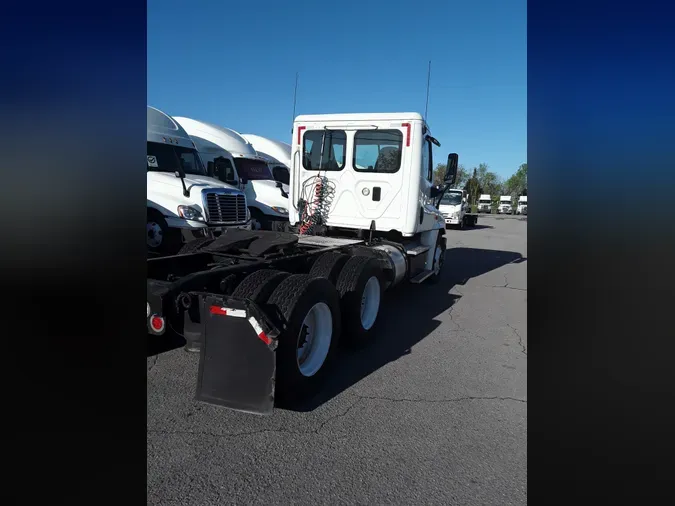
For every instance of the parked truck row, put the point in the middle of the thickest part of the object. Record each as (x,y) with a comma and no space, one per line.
(265,309)
(203,179)
(504,206)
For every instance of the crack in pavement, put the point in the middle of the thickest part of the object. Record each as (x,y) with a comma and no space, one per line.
(520,339)
(230,435)
(153,363)
(318,430)
(506,285)
(459,328)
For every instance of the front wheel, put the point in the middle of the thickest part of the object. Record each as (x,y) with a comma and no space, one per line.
(160,238)
(439,260)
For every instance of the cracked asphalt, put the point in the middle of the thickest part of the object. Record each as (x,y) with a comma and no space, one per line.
(434,411)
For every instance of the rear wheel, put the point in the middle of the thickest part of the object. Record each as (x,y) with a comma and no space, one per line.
(310,312)
(360,288)
(329,266)
(260,285)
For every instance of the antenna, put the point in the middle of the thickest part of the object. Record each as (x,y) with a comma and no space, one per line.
(426,108)
(295,96)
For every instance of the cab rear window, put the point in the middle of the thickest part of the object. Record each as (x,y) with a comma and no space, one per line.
(324,149)
(378,151)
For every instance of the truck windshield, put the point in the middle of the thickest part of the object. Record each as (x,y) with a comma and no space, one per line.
(483,201)
(168,158)
(451,199)
(253,169)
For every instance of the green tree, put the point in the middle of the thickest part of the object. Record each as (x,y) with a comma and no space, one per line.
(460,180)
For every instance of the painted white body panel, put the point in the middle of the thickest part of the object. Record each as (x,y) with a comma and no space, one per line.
(164,189)
(213,141)
(405,203)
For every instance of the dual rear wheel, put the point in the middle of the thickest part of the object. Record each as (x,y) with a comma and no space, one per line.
(338,300)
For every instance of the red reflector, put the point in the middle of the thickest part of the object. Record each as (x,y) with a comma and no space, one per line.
(218,310)
(300,129)
(407,136)
(157,323)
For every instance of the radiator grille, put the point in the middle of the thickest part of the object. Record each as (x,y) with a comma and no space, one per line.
(226,207)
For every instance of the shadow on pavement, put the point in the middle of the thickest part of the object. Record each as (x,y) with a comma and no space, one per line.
(408,315)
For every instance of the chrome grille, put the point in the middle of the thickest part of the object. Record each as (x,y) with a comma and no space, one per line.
(226,207)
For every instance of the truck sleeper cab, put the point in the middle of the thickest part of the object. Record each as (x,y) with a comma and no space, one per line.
(265,309)
(267,199)
(183,203)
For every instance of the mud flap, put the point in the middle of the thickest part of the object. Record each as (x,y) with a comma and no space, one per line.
(237,363)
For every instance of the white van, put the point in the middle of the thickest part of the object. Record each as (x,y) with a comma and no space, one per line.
(277,153)
(485,204)
(505,204)
(184,203)
(267,198)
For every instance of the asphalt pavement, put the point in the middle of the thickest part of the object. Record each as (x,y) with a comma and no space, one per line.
(433,412)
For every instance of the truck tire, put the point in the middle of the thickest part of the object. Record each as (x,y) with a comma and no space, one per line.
(260,285)
(160,238)
(329,266)
(196,245)
(360,287)
(309,309)
(439,259)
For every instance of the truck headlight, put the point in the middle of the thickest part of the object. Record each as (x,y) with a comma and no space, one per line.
(190,213)
(280,210)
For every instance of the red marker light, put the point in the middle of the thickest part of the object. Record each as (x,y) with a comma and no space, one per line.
(300,129)
(407,137)
(157,323)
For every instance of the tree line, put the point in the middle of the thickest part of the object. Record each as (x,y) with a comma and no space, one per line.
(480,180)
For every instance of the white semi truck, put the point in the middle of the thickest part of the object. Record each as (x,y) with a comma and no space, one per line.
(522,205)
(485,204)
(505,206)
(455,209)
(277,153)
(184,203)
(267,198)
(265,309)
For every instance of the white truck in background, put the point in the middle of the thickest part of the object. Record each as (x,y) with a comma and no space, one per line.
(183,202)
(505,204)
(267,198)
(485,204)
(522,205)
(455,209)
(277,153)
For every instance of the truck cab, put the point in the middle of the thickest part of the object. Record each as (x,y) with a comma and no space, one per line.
(267,198)
(485,204)
(277,154)
(505,204)
(453,207)
(522,205)
(183,202)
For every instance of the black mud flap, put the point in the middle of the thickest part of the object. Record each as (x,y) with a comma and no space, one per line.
(237,362)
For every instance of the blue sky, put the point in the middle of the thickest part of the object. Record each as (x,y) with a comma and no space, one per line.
(234,64)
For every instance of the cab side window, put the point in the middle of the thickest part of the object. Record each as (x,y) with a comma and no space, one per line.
(427,161)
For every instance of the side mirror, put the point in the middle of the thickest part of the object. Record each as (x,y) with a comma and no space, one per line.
(451,170)
(210,168)
(180,173)
(243,180)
